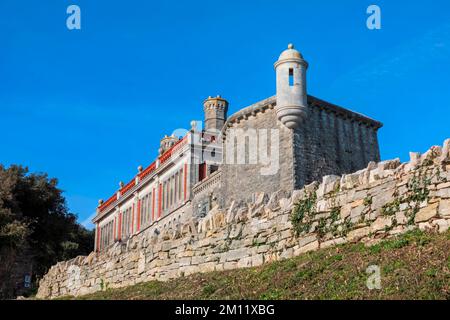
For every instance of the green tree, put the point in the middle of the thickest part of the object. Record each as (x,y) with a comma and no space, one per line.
(35,226)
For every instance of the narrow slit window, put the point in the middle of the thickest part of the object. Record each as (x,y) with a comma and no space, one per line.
(291,77)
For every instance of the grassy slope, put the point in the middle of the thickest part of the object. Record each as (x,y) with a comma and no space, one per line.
(413,266)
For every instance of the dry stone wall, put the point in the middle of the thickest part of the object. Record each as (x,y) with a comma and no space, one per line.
(383,200)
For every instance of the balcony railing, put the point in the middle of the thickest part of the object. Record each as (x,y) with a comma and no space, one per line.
(207,184)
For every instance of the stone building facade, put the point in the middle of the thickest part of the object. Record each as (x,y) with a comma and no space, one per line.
(278,144)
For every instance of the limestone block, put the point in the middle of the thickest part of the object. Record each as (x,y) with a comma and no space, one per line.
(257,211)
(443,193)
(229,265)
(358,234)
(444,208)
(441,224)
(231,212)
(364,177)
(188,270)
(306,248)
(356,212)
(286,254)
(444,185)
(428,157)
(350,181)
(207,267)
(242,215)
(260,199)
(286,205)
(424,226)
(332,242)
(380,223)
(312,187)
(244,262)
(426,213)
(401,218)
(273,203)
(141,263)
(329,184)
(357,203)
(234,255)
(218,267)
(257,260)
(263,249)
(445,156)
(345,211)
(403,206)
(414,159)
(297,195)
(307,240)
(322,205)
(185,261)
(382,198)
(389,164)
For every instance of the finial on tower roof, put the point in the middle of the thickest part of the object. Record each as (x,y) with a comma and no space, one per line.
(290,46)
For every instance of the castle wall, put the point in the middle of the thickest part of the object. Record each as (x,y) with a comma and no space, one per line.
(380,201)
(328,143)
(239,181)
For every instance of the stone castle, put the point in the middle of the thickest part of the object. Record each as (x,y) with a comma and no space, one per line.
(281,143)
(200,207)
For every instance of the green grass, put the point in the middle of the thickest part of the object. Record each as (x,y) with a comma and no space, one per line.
(413,266)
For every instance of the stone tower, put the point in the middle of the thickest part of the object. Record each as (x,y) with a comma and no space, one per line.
(290,71)
(215,113)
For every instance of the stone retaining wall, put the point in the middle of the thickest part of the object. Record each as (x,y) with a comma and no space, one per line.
(380,201)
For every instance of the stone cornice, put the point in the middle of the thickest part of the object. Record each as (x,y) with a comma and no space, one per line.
(313,102)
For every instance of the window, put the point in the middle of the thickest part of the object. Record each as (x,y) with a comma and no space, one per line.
(171,192)
(165,195)
(176,188)
(180,185)
(291,77)
(202,172)
(143,210)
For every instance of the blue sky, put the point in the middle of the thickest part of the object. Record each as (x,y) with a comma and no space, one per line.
(88,106)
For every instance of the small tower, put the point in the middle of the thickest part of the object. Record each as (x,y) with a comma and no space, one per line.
(166,143)
(291,88)
(215,113)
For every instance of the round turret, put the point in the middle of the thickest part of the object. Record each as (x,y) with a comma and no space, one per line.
(291,88)
(215,113)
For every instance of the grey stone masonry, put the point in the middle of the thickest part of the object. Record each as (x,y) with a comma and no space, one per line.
(330,140)
(382,200)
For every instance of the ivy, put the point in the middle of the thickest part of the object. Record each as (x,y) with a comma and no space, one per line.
(303,214)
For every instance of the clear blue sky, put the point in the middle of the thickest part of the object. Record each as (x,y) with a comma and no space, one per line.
(89,106)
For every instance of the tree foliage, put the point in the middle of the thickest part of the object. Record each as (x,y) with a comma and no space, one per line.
(36,223)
